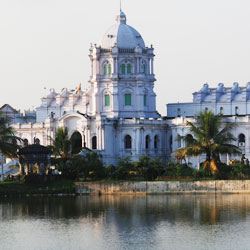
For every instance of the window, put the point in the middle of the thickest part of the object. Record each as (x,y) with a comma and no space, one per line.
(107,100)
(221,110)
(145,100)
(128,142)
(179,112)
(147,140)
(156,139)
(143,67)
(129,68)
(236,110)
(123,69)
(105,69)
(127,99)
(126,68)
(241,140)
(110,70)
(94,142)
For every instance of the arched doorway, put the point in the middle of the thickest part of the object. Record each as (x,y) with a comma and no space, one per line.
(76,142)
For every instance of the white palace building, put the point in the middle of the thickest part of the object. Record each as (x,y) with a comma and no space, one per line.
(116,115)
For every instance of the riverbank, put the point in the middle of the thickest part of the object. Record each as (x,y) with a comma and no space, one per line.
(163,187)
(19,188)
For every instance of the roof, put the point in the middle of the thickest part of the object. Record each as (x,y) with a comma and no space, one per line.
(122,35)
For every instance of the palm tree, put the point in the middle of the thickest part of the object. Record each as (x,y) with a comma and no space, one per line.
(62,144)
(210,138)
(8,140)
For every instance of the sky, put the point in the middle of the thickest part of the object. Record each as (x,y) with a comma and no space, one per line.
(45,44)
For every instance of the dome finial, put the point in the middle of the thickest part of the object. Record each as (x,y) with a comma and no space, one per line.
(122,17)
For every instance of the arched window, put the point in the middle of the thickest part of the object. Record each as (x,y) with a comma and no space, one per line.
(129,68)
(179,112)
(127,99)
(25,142)
(241,140)
(128,142)
(76,142)
(171,142)
(94,142)
(37,141)
(145,100)
(123,69)
(236,110)
(189,139)
(126,68)
(105,69)
(143,67)
(206,109)
(221,110)
(156,139)
(110,69)
(147,141)
(179,141)
(107,100)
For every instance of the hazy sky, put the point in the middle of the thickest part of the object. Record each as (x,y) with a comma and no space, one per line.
(45,43)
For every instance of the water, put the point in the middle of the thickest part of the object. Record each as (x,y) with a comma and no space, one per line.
(126,222)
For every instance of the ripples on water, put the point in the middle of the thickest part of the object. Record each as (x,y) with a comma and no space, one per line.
(126,223)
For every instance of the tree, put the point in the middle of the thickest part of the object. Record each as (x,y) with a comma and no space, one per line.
(62,144)
(8,140)
(211,137)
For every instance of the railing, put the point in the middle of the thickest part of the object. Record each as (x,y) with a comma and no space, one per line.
(106,50)
(126,51)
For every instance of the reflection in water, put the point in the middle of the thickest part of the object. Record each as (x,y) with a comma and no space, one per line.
(125,222)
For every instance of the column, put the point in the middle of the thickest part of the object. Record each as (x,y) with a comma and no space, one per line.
(41,168)
(198,162)
(103,141)
(22,168)
(152,66)
(138,65)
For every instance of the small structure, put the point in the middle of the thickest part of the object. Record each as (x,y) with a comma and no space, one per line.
(34,154)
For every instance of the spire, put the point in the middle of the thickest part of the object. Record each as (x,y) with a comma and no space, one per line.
(122,17)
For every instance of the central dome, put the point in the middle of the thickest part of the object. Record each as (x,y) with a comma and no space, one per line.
(122,35)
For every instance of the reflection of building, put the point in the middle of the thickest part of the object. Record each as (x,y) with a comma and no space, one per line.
(117,114)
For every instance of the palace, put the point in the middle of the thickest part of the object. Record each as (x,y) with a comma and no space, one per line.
(116,116)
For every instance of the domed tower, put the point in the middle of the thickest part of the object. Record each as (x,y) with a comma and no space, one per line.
(122,74)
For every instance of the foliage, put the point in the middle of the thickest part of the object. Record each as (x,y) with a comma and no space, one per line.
(61,144)
(8,140)
(88,166)
(124,166)
(177,169)
(209,138)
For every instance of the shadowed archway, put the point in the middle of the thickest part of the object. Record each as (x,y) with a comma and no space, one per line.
(76,142)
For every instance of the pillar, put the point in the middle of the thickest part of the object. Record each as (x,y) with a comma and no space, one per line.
(152,66)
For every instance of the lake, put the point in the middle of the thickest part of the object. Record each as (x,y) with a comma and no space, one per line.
(126,222)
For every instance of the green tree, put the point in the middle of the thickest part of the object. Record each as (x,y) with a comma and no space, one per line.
(8,140)
(62,144)
(210,137)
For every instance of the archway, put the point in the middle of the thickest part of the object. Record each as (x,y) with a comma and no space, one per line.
(76,141)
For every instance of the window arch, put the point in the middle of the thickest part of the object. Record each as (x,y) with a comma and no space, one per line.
(94,142)
(241,140)
(126,68)
(106,99)
(143,65)
(236,110)
(147,141)
(189,139)
(107,69)
(179,112)
(128,142)
(156,141)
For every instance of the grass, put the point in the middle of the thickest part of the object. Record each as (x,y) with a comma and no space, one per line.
(14,188)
